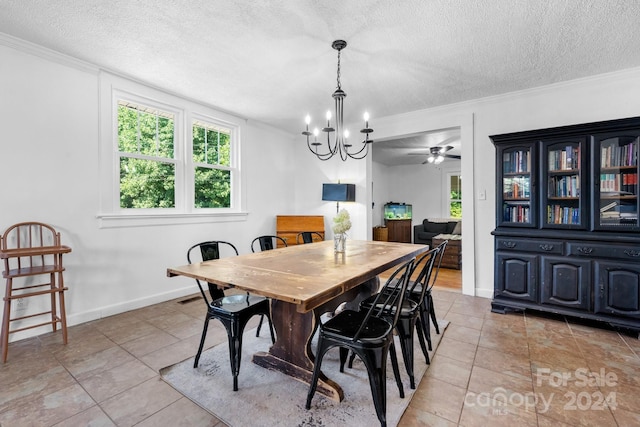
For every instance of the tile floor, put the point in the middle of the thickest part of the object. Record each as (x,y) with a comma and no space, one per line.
(490,369)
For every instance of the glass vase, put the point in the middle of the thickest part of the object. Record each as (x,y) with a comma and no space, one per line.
(339,242)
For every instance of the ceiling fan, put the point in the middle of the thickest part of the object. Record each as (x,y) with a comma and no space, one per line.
(437,154)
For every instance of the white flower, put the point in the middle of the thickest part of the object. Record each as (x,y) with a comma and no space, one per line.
(341,222)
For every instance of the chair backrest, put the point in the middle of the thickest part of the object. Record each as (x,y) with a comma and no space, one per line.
(267,242)
(425,263)
(390,297)
(308,237)
(27,235)
(206,251)
(441,247)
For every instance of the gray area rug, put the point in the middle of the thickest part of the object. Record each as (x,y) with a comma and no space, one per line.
(270,398)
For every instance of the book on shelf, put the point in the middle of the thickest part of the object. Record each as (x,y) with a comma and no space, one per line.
(609,206)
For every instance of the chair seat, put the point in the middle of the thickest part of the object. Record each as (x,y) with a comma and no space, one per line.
(346,324)
(237,303)
(407,309)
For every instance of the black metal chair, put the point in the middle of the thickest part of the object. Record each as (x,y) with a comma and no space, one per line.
(410,313)
(427,311)
(267,242)
(368,334)
(234,311)
(308,237)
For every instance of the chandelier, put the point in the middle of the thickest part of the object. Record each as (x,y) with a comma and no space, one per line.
(341,144)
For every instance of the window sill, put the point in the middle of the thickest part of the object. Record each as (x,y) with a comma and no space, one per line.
(143,220)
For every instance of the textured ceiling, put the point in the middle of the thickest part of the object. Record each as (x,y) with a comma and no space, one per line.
(272,61)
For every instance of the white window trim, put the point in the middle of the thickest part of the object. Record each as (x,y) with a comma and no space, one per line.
(110,214)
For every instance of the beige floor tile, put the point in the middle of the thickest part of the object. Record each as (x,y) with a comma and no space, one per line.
(457,350)
(505,363)
(92,364)
(183,412)
(463,320)
(414,417)
(483,355)
(35,387)
(156,340)
(449,370)
(108,383)
(46,410)
(138,403)
(440,398)
(93,417)
(464,334)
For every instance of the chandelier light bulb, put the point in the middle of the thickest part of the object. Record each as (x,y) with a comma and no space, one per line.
(307,119)
(328,115)
(346,134)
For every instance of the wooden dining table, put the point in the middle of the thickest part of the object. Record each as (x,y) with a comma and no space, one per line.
(304,282)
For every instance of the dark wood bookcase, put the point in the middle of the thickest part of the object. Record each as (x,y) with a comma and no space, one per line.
(567,236)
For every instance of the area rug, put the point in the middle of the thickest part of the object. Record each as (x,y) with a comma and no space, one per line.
(270,398)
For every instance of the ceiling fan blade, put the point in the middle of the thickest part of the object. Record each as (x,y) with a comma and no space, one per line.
(452,156)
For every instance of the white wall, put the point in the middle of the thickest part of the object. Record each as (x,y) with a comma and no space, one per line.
(49,173)
(603,97)
(422,186)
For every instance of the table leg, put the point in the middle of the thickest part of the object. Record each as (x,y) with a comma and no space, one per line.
(292,354)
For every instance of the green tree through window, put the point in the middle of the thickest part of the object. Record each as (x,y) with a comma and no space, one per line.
(147,167)
(148,162)
(212,160)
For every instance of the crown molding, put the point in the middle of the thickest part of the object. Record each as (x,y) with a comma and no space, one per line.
(46,53)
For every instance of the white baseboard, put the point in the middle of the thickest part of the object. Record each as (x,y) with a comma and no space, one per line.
(106,311)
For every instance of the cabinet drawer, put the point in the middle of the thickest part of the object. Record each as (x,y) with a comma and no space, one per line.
(597,250)
(523,245)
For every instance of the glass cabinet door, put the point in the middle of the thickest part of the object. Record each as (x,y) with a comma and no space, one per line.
(516,205)
(616,188)
(564,173)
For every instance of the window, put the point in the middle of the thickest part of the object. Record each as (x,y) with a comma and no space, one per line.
(165,159)
(455,195)
(147,161)
(212,161)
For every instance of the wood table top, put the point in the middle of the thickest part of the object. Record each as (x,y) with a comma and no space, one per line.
(306,275)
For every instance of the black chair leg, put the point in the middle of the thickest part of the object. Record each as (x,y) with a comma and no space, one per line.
(204,335)
(259,325)
(405,333)
(376,363)
(396,369)
(235,349)
(344,352)
(423,345)
(432,313)
(316,372)
(353,356)
(273,336)
(424,318)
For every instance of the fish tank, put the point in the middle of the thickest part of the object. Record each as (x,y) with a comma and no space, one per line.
(397,211)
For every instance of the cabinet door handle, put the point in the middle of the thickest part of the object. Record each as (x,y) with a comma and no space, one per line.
(632,253)
(585,250)
(510,245)
(546,247)
(601,291)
